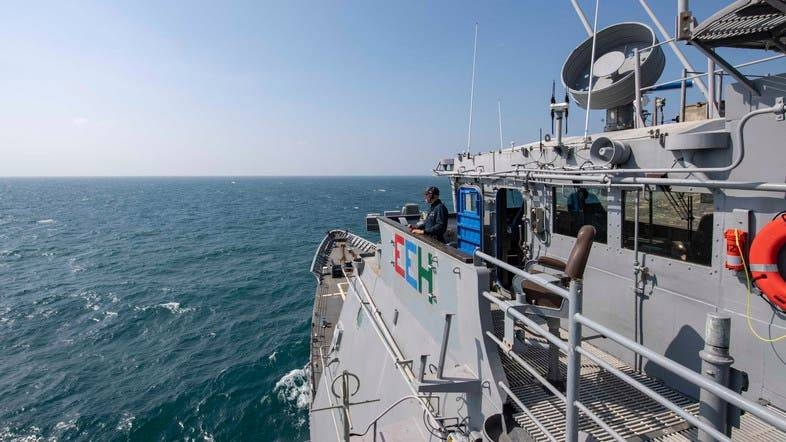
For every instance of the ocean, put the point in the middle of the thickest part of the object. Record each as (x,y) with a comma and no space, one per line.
(167,308)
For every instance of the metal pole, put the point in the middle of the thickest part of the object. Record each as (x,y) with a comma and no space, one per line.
(574,362)
(715,366)
(638,182)
(472,89)
(637,77)
(636,272)
(683,91)
(710,88)
(554,376)
(444,349)
(682,6)
(592,68)
(721,112)
(685,63)
(345,408)
(423,362)
(582,17)
(654,121)
(499,112)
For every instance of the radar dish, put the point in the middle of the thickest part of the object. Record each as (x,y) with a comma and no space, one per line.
(614,82)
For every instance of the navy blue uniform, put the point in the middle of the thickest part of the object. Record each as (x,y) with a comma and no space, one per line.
(436,222)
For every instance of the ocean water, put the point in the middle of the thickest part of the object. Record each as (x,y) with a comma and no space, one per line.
(166,308)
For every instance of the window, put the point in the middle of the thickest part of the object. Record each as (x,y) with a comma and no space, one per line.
(673,224)
(470,202)
(576,206)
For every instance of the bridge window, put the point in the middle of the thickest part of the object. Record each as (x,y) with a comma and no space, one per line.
(673,224)
(576,206)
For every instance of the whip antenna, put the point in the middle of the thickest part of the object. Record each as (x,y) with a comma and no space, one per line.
(553,101)
(472,89)
(499,113)
(567,100)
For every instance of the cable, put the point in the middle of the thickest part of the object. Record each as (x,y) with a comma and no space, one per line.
(748,302)
(429,428)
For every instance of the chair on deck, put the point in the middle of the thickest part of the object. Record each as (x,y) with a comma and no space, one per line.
(550,306)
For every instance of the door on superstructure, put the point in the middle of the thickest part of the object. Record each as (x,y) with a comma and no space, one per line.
(469,220)
(510,232)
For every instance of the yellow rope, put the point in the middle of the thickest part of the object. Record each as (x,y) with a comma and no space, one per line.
(748,303)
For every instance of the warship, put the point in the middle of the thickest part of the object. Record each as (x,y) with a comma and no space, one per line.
(622,285)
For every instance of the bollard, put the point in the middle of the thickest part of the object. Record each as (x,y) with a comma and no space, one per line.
(715,365)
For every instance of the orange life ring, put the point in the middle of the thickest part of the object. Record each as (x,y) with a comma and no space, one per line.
(764,261)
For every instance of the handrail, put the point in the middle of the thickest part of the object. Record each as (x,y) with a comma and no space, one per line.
(574,350)
(532,371)
(370,309)
(526,411)
(652,394)
(717,71)
(687,374)
(778,109)
(542,282)
(507,308)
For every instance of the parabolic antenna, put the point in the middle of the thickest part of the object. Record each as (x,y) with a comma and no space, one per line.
(614,83)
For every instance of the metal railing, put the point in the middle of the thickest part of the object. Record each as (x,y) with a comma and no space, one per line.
(574,351)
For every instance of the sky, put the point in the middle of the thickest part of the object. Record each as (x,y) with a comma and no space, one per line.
(230,88)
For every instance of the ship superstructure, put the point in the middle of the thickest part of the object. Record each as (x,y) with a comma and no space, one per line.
(625,285)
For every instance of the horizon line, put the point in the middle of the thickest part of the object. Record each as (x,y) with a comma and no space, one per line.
(215,176)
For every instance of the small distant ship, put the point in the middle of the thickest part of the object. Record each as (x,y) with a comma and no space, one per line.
(625,285)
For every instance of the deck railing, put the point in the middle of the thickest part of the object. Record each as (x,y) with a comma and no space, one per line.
(574,351)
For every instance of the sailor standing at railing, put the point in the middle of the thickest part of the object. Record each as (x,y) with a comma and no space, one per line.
(436,222)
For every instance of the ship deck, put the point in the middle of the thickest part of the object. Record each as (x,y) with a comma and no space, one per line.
(629,412)
(338,249)
(327,307)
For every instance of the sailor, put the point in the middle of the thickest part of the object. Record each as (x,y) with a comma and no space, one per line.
(436,222)
(580,199)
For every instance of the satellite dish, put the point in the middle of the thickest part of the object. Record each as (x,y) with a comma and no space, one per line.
(613,84)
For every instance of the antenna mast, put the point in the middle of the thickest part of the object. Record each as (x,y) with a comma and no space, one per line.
(591,72)
(499,112)
(472,89)
(582,17)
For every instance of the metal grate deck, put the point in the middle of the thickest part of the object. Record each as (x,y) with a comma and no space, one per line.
(629,412)
(746,24)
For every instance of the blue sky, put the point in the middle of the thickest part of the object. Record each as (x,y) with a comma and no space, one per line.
(283,88)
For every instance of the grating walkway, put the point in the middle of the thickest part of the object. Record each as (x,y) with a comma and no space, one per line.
(629,412)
